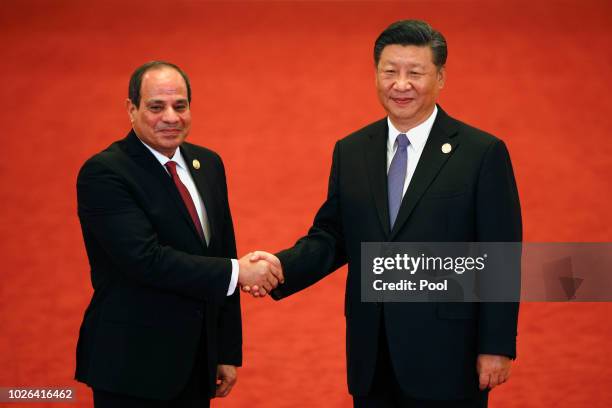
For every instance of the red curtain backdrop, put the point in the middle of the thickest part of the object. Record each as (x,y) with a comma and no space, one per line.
(275,84)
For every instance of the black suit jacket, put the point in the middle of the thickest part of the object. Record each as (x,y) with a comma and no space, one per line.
(159,290)
(466,195)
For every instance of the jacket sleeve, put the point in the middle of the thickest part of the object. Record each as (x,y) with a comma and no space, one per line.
(112,218)
(498,219)
(321,251)
(230,319)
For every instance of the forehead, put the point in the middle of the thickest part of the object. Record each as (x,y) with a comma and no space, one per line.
(163,83)
(406,54)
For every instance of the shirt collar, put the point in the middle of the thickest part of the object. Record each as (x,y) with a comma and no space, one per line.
(417,135)
(177,157)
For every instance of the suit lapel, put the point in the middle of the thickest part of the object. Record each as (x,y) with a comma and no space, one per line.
(201,178)
(376,159)
(431,161)
(141,155)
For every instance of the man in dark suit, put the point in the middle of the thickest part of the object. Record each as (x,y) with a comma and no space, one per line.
(416,176)
(163,328)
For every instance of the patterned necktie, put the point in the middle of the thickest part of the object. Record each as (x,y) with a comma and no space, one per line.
(171,166)
(397,176)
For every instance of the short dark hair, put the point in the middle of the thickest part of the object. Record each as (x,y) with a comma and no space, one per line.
(136,79)
(412,32)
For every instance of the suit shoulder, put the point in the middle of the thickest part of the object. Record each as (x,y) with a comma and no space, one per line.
(202,151)
(475,135)
(374,128)
(106,157)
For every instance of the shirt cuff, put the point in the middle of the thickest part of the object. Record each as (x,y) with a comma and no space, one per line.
(234,279)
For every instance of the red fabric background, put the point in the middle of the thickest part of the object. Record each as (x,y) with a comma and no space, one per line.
(275,84)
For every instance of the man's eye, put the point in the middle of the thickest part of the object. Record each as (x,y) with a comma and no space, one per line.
(155,108)
(416,73)
(180,108)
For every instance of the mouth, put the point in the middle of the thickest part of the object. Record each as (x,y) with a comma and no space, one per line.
(170,131)
(402,101)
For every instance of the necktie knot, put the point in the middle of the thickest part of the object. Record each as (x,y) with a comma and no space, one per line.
(171,166)
(402,141)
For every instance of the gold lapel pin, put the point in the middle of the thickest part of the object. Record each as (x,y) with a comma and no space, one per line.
(196,164)
(446,148)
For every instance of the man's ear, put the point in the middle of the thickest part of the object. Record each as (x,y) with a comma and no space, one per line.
(441,77)
(131,109)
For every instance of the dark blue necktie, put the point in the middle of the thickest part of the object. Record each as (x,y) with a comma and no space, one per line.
(397,176)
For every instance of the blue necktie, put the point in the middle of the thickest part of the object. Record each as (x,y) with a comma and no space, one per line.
(397,176)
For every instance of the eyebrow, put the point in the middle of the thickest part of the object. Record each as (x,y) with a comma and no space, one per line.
(413,66)
(154,101)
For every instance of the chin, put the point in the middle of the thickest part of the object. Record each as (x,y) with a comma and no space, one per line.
(404,115)
(173,140)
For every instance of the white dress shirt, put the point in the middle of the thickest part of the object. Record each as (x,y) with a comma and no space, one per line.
(183,173)
(417,137)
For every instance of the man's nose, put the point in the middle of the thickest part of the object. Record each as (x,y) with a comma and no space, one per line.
(170,115)
(402,83)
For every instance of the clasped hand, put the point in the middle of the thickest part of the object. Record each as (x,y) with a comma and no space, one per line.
(260,272)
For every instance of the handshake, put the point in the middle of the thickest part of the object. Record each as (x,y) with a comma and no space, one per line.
(259,273)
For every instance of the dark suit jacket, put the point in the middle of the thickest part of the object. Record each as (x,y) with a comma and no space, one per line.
(159,291)
(466,195)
